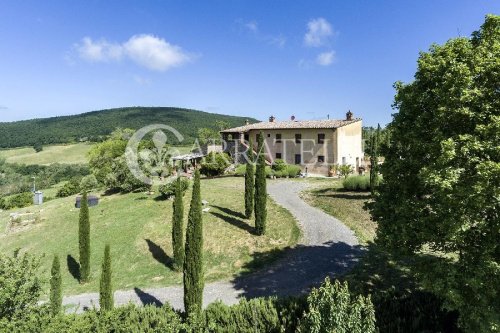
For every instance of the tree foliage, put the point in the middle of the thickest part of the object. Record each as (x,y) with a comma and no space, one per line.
(96,126)
(20,287)
(260,189)
(441,188)
(178,225)
(55,286)
(193,261)
(106,301)
(331,308)
(374,149)
(214,164)
(84,239)
(249,189)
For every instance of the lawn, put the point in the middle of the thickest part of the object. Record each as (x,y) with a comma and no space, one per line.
(138,228)
(347,206)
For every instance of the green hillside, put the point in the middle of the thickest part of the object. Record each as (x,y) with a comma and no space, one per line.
(92,126)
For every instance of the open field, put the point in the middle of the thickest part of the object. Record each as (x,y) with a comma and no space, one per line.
(138,228)
(69,154)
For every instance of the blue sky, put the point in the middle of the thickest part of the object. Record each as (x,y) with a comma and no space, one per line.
(250,58)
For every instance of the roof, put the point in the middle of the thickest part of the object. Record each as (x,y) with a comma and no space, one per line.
(303,124)
(188,157)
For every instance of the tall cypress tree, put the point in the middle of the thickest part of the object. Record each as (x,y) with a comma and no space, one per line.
(105,287)
(249,182)
(177,224)
(193,261)
(55,287)
(84,239)
(260,189)
(374,147)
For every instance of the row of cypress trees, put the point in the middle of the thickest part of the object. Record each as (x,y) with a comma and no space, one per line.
(105,286)
(190,256)
(255,187)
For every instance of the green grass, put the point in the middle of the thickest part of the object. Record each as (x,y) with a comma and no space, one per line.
(138,228)
(68,154)
(347,206)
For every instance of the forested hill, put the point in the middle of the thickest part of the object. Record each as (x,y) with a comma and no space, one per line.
(93,126)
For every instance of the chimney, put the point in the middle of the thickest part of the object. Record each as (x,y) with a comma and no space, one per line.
(292,118)
(348,115)
(247,122)
(271,119)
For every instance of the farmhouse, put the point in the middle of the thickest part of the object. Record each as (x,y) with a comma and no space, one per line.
(315,145)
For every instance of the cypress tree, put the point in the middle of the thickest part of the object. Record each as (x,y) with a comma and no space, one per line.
(84,239)
(260,189)
(193,261)
(55,287)
(105,287)
(374,147)
(177,234)
(249,182)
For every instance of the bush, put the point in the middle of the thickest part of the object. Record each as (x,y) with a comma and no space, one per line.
(293,170)
(20,288)
(279,165)
(70,188)
(356,183)
(20,200)
(331,308)
(240,170)
(38,147)
(89,183)
(214,164)
(168,190)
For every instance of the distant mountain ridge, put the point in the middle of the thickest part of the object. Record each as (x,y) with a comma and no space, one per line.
(95,125)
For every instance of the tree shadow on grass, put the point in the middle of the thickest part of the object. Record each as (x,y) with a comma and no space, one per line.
(159,255)
(235,222)
(297,270)
(230,212)
(344,195)
(147,299)
(73,267)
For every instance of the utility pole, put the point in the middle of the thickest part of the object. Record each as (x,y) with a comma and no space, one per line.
(34,185)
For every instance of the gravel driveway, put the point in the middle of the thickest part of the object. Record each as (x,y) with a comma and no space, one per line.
(327,248)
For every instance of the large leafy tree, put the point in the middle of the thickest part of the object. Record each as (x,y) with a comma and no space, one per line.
(441,187)
(193,261)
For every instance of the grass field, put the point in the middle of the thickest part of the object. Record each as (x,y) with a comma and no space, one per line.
(69,154)
(138,228)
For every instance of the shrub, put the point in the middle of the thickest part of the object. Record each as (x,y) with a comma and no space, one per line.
(55,287)
(240,170)
(215,164)
(168,190)
(38,147)
(20,200)
(106,300)
(293,170)
(268,171)
(279,165)
(88,183)
(345,170)
(281,173)
(356,183)
(70,188)
(20,288)
(331,308)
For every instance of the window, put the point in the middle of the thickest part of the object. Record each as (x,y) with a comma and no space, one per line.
(268,135)
(321,138)
(344,161)
(246,137)
(321,159)
(298,159)
(278,138)
(298,138)
(278,156)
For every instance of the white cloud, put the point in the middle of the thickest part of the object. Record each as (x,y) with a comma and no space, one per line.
(252,26)
(325,58)
(318,32)
(142,81)
(148,51)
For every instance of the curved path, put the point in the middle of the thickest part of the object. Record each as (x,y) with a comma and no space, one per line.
(327,248)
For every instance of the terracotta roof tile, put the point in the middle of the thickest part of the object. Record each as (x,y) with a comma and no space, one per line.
(302,124)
